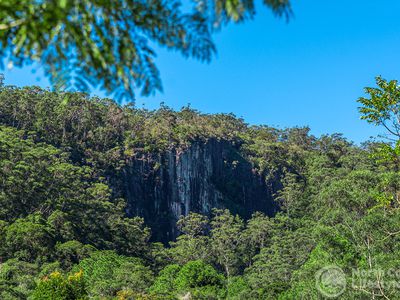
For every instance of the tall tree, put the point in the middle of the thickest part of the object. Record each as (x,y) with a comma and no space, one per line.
(381,107)
(193,243)
(226,241)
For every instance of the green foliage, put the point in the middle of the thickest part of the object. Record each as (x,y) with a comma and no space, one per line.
(256,236)
(238,288)
(197,274)
(106,273)
(46,199)
(195,278)
(164,285)
(227,10)
(17,279)
(57,286)
(225,240)
(71,252)
(271,272)
(383,104)
(28,239)
(193,243)
(62,155)
(382,108)
(111,49)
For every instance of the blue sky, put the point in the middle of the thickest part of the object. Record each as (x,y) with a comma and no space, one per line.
(309,71)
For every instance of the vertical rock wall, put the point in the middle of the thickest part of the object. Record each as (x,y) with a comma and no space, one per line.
(165,186)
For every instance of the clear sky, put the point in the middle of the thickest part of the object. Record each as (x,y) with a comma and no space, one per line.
(309,71)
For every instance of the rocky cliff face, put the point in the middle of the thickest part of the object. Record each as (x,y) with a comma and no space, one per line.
(165,186)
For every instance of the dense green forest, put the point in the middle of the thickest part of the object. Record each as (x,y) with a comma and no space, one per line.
(64,233)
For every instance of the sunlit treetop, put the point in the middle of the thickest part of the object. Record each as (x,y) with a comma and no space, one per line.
(84,44)
(382,105)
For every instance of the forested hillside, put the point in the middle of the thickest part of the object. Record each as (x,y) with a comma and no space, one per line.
(69,228)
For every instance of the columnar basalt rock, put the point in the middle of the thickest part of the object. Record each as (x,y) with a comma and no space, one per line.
(162,187)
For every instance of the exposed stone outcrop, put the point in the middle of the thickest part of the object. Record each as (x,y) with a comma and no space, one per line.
(165,186)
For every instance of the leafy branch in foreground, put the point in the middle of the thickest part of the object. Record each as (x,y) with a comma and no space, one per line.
(107,44)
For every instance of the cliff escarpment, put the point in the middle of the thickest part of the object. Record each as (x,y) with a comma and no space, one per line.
(209,174)
(159,164)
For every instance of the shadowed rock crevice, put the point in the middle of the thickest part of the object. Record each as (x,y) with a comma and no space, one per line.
(162,187)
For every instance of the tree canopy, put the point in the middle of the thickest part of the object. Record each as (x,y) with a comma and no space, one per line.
(64,234)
